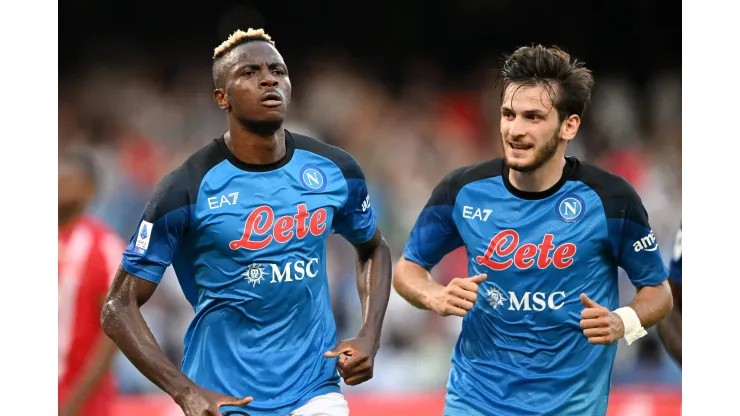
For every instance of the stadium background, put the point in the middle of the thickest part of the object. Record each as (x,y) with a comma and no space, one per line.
(406,87)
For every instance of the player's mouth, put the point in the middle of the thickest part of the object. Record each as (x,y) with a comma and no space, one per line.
(519,149)
(271,99)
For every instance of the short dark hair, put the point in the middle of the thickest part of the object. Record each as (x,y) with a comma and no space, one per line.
(550,67)
(237,38)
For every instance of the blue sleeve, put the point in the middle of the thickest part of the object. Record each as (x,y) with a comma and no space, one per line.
(634,244)
(162,228)
(434,234)
(355,221)
(676,259)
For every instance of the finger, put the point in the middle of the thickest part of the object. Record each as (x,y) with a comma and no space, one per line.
(469,295)
(225,400)
(355,363)
(587,302)
(470,284)
(461,303)
(600,322)
(478,279)
(454,310)
(359,378)
(596,332)
(600,340)
(593,313)
(340,349)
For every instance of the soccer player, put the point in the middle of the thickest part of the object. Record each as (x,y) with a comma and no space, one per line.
(88,257)
(669,329)
(544,235)
(244,222)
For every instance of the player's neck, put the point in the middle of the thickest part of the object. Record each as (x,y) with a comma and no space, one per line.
(253,148)
(540,179)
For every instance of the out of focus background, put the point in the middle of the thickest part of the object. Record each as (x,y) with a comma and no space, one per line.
(407,88)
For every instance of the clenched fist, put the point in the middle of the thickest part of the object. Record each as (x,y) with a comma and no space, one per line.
(599,324)
(458,297)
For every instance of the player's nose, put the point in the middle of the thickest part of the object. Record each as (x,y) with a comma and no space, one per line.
(516,128)
(269,82)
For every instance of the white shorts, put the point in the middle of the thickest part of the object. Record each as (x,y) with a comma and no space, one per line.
(332,404)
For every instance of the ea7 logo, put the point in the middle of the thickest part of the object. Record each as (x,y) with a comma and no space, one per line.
(366,203)
(471,213)
(646,243)
(216,202)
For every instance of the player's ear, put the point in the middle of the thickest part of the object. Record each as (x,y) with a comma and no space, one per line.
(569,127)
(219,95)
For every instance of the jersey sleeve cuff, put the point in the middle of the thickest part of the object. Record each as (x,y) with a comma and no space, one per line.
(154,276)
(411,256)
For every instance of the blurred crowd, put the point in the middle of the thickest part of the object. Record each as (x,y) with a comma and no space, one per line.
(143,122)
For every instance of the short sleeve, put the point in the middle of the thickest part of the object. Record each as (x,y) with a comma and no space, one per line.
(162,228)
(435,233)
(674,272)
(634,243)
(355,221)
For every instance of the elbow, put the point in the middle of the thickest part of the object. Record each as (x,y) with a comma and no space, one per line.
(668,294)
(667,298)
(108,316)
(399,277)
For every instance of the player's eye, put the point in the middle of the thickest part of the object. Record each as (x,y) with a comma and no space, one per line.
(278,72)
(248,73)
(508,115)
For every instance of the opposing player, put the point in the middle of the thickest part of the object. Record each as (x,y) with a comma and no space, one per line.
(545,235)
(244,222)
(669,329)
(88,257)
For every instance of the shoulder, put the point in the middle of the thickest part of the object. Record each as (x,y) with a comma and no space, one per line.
(180,187)
(472,173)
(618,196)
(451,185)
(346,162)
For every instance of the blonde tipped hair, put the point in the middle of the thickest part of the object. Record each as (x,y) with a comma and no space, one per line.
(240,37)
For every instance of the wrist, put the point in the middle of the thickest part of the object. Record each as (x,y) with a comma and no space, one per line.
(371,335)
(430,296)
(631,324)
(180,393)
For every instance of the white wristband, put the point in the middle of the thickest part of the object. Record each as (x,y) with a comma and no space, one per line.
(633,329)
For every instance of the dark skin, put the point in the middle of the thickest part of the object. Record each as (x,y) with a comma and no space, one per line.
(669,329)
(255,95)
(252,73)
(357,355)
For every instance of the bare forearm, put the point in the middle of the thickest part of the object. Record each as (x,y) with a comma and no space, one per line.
(374,288)
(669,331)
(125,325)
(97,365)
(652,304)
(415,284)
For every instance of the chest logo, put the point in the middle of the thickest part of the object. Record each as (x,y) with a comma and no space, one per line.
(262,228)
(505,251)
(570,208)
(313,178)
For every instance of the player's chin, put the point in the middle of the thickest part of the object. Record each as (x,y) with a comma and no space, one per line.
(272,114)
(519,163)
